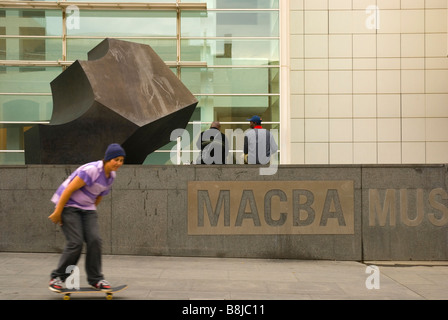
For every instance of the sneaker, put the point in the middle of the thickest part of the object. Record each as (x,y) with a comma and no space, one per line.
(103,285)
(56,284)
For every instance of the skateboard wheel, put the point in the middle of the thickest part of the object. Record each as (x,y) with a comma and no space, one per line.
(67,297)
(109,296)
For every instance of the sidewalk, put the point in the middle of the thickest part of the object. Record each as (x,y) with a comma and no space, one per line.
(184,278)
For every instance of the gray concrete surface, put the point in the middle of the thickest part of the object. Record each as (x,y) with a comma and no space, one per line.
(395,212)
(24,276)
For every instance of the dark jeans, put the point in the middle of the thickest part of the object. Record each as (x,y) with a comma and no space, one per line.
(80,226)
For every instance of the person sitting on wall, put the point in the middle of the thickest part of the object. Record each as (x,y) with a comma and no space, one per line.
(213,145)
(259,143)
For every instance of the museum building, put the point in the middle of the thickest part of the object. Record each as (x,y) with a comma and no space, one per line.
(339,81)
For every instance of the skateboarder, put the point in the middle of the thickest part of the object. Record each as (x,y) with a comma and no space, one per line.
(76,201)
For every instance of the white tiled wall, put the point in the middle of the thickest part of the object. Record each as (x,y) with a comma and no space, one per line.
(366,95)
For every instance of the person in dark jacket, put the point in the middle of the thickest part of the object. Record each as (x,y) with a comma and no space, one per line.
(213,145)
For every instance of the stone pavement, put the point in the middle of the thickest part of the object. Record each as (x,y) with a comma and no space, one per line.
(196,278)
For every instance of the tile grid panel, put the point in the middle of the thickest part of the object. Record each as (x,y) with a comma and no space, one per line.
(367,87)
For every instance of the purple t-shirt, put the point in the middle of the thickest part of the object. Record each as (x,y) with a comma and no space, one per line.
(96,185)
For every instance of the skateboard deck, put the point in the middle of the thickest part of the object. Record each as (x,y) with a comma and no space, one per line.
(87,290)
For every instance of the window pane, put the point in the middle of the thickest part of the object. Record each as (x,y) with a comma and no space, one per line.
(238,4)
(12,158)
(11,136)
(162,158)
(230,24)
(78,48)
(245,127)
(231,80)
(25,108)
(231,51)
(238,108)
(2,45)
(28,79)
(150,1)
(116,23)
(30,49)
(27,21)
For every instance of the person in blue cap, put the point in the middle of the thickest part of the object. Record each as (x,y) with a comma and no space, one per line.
(259,143)
(76,201)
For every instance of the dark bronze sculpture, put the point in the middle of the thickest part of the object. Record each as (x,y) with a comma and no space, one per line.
(124,93)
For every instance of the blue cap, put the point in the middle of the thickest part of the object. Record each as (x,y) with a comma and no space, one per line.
(255,119)
(113,151)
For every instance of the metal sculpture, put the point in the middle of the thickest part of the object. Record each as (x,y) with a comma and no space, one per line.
(124,93)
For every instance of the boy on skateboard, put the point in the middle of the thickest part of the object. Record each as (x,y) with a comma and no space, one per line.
(76,201)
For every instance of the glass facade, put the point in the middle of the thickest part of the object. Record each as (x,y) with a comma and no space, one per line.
(225,51)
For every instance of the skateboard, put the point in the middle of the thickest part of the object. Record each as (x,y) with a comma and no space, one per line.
(109,294)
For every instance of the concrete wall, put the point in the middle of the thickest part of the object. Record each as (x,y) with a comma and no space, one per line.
(348,212)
